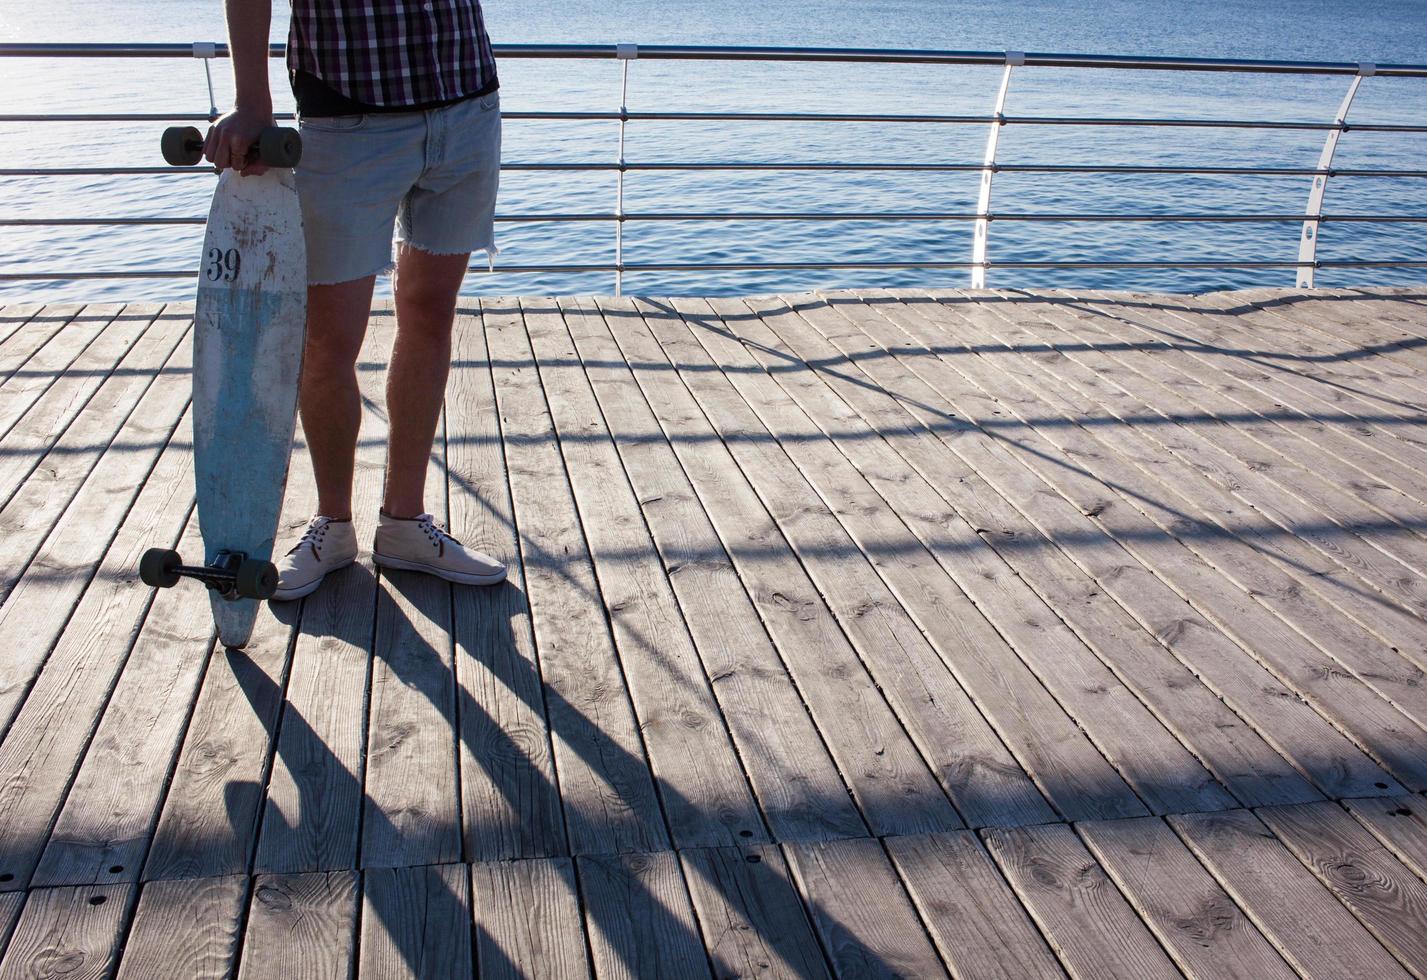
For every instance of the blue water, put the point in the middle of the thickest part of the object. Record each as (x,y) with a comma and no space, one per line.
(1382,31)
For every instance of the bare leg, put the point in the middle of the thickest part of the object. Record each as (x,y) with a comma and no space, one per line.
(426,287)
(330,399)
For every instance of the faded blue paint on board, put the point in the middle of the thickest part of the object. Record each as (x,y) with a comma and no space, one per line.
(247,360)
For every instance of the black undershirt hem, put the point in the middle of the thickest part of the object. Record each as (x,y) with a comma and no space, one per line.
(315,98)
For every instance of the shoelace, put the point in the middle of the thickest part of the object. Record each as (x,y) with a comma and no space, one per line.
(435,533)
(313,536)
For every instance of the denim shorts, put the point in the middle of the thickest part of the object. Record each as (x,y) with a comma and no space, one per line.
(431,173)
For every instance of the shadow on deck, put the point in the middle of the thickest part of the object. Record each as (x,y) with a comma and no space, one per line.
(859,633)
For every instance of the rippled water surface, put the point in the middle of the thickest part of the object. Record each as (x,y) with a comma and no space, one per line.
(1382,31)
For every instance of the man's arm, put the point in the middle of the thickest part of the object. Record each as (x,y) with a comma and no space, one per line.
(235,132)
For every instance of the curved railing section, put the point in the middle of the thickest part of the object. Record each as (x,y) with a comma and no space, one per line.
(982,218)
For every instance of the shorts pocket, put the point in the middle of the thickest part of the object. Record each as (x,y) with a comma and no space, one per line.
(489,101)
(333,124)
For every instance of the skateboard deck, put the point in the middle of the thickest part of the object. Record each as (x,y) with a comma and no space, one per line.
(249,326)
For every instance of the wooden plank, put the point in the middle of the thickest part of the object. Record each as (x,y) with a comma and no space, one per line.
(123,352)
(314,799)
(187,928)
(416,922)
(1282,571)
(1296,729)
(48,364)
(1349,469)
(35,333)
(209,822)
(972,763)
(973,916)
(213,811)
(1233,752)
(1241,760)
(102,833)
(1076,905)
(1048,744)
(866,922)
(71,932)
(313,806)
(749,914)
(1308,926)
(890,779)
(1198,923)
(1152,483)
(46,470)
(1339,349)
(1391,325)
(411,811)
(1027,671)
(1363,525)
(638,917)
(1366,344)
(510,803)
(802,795)
(702,784)
(1372,426)
(301,926)
(605,781)
(10,905)
(1400,823)
(28,337)
(1225,584)
(528,920)
(14,316)
(1385,895)
(55,715)
(43,594)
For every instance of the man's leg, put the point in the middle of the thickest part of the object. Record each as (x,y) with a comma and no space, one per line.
(330,400)
(426,287)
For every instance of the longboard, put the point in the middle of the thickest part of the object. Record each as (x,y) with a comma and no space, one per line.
(249,326)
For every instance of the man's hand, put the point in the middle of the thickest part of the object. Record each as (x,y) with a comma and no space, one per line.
(233,137)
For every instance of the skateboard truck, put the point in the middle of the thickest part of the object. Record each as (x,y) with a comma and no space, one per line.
(233,575)
(276,146)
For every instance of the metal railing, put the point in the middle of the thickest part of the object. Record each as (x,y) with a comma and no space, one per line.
(983,218)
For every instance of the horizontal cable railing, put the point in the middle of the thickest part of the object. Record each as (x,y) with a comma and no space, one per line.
(983,217)
(801,216)
(668,52)
(793,267)
(767,117)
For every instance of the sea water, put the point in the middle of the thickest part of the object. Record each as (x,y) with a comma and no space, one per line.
(1380,31)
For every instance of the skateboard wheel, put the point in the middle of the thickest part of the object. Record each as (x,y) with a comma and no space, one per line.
(257,579)
(157,568)
(279,146)
(182,145)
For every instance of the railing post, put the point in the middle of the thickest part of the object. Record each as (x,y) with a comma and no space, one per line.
(208,50)
(1308,241)
(625,53)
(982,228)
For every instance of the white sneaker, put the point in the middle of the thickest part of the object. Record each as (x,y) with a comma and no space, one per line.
(325,546)
(419,544)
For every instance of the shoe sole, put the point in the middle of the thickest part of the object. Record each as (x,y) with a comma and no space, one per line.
(460,578)
(288,595)
(302,591)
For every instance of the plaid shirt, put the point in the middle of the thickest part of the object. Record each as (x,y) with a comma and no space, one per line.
(393,52)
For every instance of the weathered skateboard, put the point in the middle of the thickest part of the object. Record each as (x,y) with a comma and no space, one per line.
(249,325)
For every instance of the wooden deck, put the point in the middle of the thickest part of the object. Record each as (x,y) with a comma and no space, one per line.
(861,634)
